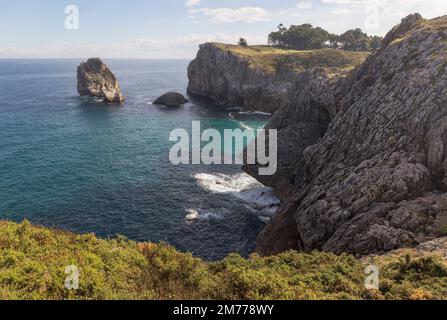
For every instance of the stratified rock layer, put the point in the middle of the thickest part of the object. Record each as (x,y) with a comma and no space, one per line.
(363,158)
(96,80)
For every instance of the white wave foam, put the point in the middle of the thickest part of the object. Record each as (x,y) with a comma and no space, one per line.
(260,113)
(196,215)
(256,196)
(221,183)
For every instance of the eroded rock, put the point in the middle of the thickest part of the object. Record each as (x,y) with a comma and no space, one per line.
(259,78)
(96,80)
(362,157)
(171,99)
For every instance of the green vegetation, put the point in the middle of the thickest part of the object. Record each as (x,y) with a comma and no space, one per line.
(272,60)
(307,37)
(443,231)
(33,261)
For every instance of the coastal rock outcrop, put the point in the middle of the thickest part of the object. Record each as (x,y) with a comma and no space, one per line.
(259,78)
(363,158)
(96,80)
(171,99)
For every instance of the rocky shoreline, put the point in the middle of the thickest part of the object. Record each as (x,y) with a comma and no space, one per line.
(362,164)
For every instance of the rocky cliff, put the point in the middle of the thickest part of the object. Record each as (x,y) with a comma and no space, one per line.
(96,80)
(260,78)
(363,158)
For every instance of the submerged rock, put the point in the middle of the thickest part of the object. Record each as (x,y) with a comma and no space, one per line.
(362,159)
(96,80)
(171,99)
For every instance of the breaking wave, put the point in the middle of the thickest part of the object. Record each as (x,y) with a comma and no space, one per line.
(198,215)
(256,197)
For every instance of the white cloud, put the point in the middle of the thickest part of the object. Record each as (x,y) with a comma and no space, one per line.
(336,16)
(227,15)
(192,3)
(341,11)
(340,1)
(250,14)
(304,5)
(384,13)
(194,39)
(16,52)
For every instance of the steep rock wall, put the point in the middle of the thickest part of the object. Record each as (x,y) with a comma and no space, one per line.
(259,78)
(376,179)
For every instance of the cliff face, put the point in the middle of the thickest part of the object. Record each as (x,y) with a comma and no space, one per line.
(258,78)
(363,158)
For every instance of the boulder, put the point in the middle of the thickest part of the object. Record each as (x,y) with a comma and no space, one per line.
(96,80)
(171,99)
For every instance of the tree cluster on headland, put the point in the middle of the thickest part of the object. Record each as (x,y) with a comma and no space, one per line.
(308,37)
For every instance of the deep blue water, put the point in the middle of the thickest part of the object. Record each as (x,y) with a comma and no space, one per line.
(85,166)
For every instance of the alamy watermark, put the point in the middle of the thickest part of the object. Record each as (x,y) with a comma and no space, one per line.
(72,279)
(372,17)
(191,149)
(72,17)
(372,279)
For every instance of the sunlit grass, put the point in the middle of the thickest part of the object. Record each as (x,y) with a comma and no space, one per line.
(33,261)
(272,60)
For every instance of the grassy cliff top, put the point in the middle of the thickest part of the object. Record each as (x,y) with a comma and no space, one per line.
(271,59)
(437,25)
(33,261)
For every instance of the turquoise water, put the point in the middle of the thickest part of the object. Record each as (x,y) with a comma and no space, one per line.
(85,166)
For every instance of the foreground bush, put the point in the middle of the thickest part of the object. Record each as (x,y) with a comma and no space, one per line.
(33,262)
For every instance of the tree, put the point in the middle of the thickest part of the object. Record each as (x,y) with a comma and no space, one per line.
(375,42)
(277,38)
(302,37)
(243,42)
(307,37)
(355,40)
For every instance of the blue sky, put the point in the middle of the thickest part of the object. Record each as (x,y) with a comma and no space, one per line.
(175,28)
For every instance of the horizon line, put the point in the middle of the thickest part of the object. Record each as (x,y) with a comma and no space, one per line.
(84,58)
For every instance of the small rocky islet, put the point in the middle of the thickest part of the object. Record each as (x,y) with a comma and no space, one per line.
(171,99)
(96,80)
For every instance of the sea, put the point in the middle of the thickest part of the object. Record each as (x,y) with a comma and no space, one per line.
(85,166)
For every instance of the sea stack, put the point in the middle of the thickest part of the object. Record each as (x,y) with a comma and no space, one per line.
(96,80)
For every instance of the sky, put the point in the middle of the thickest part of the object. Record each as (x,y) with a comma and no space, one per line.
(173,29)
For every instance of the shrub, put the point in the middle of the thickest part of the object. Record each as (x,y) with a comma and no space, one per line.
(33,261)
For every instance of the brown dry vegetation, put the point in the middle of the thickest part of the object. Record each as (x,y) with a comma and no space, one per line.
(271,59)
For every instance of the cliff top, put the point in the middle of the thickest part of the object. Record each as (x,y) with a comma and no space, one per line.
(272,59)
(415,23)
